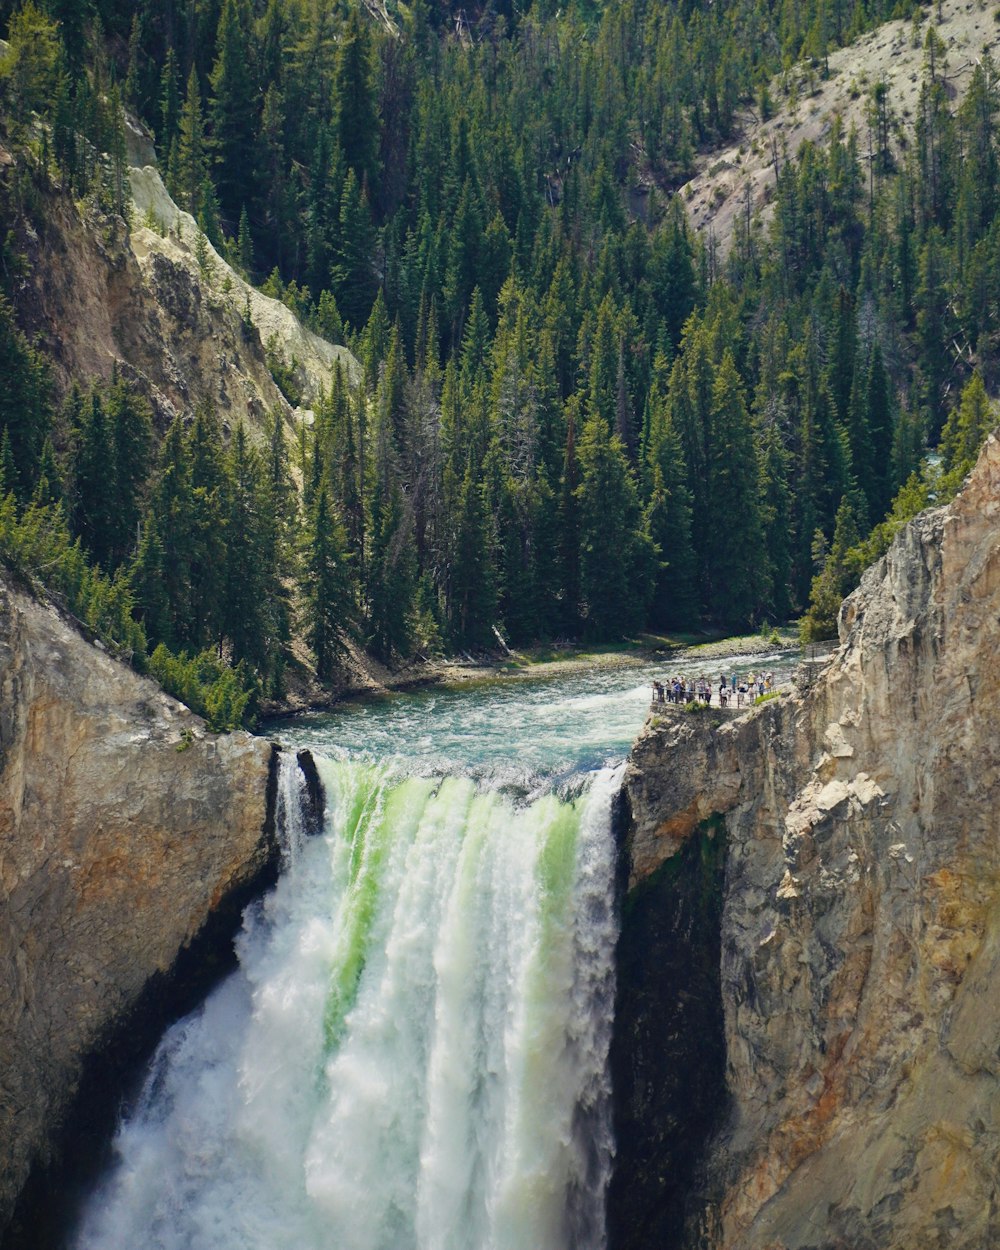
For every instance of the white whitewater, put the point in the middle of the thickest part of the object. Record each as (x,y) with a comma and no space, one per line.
(413,1054)
(289,815)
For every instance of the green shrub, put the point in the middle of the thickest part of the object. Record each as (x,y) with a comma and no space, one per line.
(38,545)
(284,374)
(222,695)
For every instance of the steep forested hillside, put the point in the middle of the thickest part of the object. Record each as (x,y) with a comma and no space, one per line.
(576,417)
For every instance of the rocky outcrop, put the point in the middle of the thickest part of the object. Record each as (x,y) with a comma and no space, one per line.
(740,177)
(859,976)
(164,240)
(97,296)
(124,826)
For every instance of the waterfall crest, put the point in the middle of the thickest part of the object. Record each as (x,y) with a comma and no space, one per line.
(413,1055)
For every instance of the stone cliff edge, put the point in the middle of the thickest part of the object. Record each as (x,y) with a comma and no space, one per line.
(859,973)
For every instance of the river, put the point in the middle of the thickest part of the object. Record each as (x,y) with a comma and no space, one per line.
(413,1052)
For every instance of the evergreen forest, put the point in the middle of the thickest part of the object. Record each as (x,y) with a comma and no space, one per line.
(575,418)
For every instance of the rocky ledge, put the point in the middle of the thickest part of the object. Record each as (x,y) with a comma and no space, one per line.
(125,830)
(854,1012)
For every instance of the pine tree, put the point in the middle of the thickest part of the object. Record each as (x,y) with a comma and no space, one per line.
(328,602)
(324,193)
(980,180)
(668,521)
(617,557)
(356,122)
(964,431)
(9,476)
(737,570)
(64,135)
(349,478)
(188,173)
(149,584)
(392,403)
(131,422)
(603,370)
(878,404)
(205,530)
(118,191)
(495,254)
(776,520)
(860,443)
(671,272)
(506,501)
(234,108)
(272,30)
(463,266)
(904,251)
(836,578)
(30,64)
(244,616)
(392,567)
(279,511)
(170,101)
(352,270)
(569,526)
(844,339)
(162,572)
(543,554)
(279,224)
(690,405)
(72,16)
(95,518)
(908,446)
(932,328)
(471,599)
(328,322)
(375,342)
(49,487)
(244,246)
(475,339)
(24,399)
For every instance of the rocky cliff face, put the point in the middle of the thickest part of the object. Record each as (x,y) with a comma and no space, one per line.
(859,979)
(123,827)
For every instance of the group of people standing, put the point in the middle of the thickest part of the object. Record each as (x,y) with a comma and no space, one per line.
(731,690)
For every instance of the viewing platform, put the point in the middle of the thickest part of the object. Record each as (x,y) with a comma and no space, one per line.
(787,675)
(729,710)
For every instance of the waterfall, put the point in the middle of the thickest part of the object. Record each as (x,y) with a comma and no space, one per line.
(290,808)
(413,1053)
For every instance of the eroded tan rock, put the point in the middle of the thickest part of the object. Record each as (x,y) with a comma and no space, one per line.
(861,916)
(122,824)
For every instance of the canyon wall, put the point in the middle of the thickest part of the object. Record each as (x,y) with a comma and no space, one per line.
(858,980)
(124,828)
